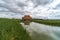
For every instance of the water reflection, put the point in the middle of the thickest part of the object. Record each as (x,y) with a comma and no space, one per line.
(42,32)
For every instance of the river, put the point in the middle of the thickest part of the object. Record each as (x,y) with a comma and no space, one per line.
(42,32)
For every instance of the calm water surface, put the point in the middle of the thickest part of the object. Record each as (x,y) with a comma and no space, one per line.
(42,32)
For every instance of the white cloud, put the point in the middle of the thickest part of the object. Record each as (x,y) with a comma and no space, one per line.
(53,4)
(38,8)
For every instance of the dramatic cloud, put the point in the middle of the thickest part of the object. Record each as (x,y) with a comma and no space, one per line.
(46,9)
(41,2)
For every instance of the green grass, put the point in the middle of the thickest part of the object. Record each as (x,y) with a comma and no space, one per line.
(49,22)
(10,29)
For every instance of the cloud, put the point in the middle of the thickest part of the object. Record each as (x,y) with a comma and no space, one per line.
(58,7)
(11,6)
(37,8)
(41,2)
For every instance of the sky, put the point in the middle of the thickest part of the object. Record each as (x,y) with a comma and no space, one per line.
(41,9)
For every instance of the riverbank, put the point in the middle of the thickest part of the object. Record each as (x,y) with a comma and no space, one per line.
(10,29)
(48,22)
(39,31)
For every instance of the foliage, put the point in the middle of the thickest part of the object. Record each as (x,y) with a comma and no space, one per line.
(11,29)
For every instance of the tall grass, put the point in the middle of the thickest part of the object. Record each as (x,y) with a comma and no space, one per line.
(10,29)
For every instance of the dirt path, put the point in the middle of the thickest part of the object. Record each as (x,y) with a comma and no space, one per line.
(42,32)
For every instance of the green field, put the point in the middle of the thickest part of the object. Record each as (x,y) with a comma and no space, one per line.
(10,29)
(48,22)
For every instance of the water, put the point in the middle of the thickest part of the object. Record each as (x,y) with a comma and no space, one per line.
(42,32)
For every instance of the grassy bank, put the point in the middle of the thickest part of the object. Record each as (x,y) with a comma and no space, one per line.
(49,22)
(10,29)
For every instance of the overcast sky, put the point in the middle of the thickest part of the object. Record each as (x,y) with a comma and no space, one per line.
(46,9)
